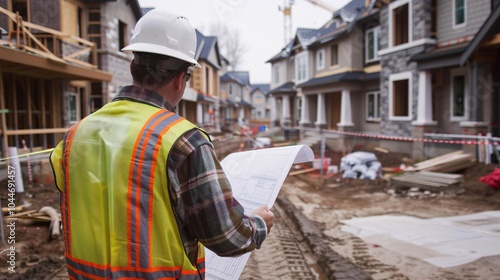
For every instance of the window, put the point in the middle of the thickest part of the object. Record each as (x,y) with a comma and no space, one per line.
(73,104)
(458,95)
(400,23)
(21,7)
(400,93)
(433,19)
(459,15)
(230,89)
(373,106)
(372,44)
(79,23)
(320,59)
(122,35)
(208,84)
(276,74)
(301,67)
(334,55)
(292,62)
(94,25)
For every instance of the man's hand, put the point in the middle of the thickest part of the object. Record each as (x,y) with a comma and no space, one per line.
(267,215)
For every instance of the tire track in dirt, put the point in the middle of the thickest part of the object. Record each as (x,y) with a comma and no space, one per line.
(282,256)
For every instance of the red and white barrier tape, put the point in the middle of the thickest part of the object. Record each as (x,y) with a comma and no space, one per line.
(409,139)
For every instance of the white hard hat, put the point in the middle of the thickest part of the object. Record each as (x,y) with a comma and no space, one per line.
(164,33)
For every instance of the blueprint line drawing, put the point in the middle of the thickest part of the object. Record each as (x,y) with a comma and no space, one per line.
(256,178)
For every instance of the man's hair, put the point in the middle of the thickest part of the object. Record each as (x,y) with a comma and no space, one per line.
(154,70)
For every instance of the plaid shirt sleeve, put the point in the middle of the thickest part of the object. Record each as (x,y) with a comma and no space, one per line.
(204,204)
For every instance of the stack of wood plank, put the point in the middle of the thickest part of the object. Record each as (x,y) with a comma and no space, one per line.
(30,215)
(435,182)
(451,162)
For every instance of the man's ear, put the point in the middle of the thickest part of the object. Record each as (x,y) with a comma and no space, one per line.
(178,80)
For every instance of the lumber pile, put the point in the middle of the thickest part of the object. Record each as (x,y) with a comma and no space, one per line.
(447,163)
(434,182)
(34,216)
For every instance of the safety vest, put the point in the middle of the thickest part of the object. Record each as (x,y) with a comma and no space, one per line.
(116,210)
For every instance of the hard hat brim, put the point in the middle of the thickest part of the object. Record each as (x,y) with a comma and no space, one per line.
(152,48)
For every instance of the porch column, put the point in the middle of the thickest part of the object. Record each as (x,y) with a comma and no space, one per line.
(345,110)
(424,122)
(274,112)
(321,114)
(304,116)
(424,106)
(199,113)
(241,115)
(287,121)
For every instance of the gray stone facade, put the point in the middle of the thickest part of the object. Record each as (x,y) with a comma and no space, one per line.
(112,59)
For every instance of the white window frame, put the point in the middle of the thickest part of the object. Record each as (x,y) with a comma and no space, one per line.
(76,95)
(276,71)
(376,34)
(399,77)
(454,73)
(376,108)
(331,55)
(301,67)
(454,15)
(320,59)
(395,5)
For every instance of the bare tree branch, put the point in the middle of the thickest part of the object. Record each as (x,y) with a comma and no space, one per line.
(230,43)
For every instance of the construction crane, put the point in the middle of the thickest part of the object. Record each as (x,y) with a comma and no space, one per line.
(323,5)
(287,12)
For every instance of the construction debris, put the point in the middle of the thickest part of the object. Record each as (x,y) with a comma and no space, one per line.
(35,215)
(54,220)
(492,179)
(433,182)
(447,163)
(361,165)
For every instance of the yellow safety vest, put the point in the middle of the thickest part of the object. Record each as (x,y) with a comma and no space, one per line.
(117,216)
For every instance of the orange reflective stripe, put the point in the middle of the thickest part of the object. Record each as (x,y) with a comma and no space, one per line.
(151,184)
(131,184)
(141,185)
(78,269)
(65,209)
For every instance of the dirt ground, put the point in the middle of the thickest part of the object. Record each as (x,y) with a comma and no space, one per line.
(37,256)
(341,199)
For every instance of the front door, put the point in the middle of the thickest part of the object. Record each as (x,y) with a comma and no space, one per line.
(333,101)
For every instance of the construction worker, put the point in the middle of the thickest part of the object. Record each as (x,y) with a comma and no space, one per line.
(142,189)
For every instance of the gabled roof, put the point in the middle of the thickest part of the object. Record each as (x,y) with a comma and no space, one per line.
(351,10)
(490,26)
(341,77)
(204,46)
(262,87)
(203,97)
(439,58)
(308,37)
(286,88)
(284,53)
(347,16)
(305,36)
(240,77)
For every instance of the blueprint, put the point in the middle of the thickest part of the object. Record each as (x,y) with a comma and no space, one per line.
(256,178)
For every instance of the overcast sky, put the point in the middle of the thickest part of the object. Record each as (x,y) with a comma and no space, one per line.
(260,22)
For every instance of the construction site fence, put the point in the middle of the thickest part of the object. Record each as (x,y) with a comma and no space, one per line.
(485,148)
